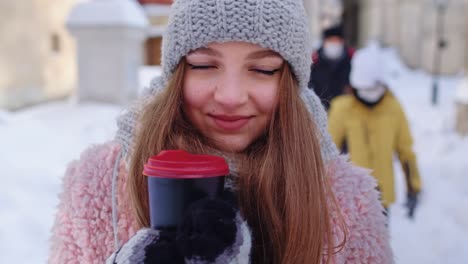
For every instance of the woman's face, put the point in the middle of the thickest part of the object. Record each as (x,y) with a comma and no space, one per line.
(231,92)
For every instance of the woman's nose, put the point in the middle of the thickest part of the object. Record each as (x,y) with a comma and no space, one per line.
(231,91)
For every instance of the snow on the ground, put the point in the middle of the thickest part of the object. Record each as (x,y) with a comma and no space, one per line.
(39,142)
(439,233)
(36,145)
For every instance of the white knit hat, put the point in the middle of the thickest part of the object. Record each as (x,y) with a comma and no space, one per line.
(367,67)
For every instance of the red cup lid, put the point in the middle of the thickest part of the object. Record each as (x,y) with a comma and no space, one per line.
(183,165)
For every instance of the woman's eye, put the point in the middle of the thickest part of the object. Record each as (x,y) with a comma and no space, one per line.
(270,73)
(201,67)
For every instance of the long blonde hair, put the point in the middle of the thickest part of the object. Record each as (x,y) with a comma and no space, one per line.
(283,191)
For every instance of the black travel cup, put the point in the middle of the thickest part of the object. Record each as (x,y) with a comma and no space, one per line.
(176,179)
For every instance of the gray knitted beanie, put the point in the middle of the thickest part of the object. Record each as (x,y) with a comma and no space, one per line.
(279,25)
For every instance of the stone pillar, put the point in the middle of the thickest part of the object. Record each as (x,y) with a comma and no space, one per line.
(390,22)
(313,12)
(452,56)
(322,14)
(462,91)
(411,15)
(371,21)
(110,38)
(330,13)
(461,101)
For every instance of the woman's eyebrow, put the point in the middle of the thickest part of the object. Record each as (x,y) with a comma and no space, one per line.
(206,51)
(263,54)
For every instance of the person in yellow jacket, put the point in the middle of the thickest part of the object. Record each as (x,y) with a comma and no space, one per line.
(372,125)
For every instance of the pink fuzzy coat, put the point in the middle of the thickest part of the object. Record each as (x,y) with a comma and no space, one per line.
(83,232)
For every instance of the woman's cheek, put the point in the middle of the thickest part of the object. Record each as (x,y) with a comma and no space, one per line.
(266,97)
(197,92)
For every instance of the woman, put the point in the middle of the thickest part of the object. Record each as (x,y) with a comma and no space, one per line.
(234,83)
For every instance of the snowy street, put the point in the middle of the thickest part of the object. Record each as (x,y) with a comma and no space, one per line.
(37,144)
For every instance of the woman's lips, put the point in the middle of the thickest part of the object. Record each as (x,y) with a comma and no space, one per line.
(230,123)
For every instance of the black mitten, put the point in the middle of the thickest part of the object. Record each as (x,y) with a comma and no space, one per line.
(163,250)
(411,204)
(148,243)
(208,229)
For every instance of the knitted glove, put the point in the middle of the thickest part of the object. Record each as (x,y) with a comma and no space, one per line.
(147,240)
(211,232)
(411,204)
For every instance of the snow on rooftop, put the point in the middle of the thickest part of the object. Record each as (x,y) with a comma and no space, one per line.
(107,13)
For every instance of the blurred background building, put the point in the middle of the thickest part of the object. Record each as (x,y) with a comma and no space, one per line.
(413,27)
(38,55)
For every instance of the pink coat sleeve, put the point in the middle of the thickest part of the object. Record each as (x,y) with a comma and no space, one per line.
(367,239)
(82,232)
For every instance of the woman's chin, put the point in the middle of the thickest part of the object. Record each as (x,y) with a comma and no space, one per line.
(232,145)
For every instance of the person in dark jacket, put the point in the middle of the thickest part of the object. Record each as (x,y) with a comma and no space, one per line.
(331,66)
